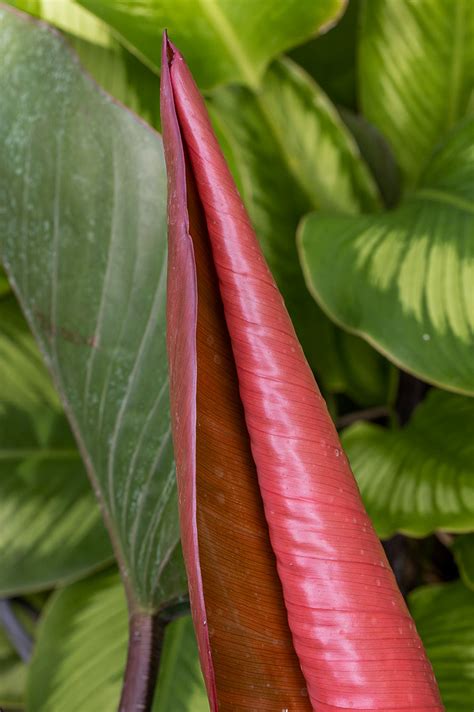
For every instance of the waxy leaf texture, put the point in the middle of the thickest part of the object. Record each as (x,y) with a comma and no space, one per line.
(286,573)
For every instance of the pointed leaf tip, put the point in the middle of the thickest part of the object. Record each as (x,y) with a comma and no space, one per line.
(274,524)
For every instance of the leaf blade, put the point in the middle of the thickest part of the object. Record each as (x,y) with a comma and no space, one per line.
(224,42)
(405,46)
(289,432)
(100,253)
(412,263)
(418,479)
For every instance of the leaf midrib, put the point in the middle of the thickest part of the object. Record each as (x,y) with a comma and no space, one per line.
(224,29)
(442,196)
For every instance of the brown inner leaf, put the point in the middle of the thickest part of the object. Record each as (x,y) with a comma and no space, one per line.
(254,660)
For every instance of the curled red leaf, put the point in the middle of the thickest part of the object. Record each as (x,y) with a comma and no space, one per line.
(275,535)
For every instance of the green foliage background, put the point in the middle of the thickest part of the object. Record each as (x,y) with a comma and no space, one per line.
(354,155)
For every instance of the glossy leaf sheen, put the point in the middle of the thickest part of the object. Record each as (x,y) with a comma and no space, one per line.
(421,478)
(228,330)
(80,654)
(291,153)
(444,616)
(403,279)
(416,72)
(226,41)
(83,241)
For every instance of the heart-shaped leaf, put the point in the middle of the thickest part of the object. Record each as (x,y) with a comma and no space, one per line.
(265,489)
(416,72)
(275,141)
(421,478)
(83,241)
(225,42)
(443,616)
(403,279)
(80,654)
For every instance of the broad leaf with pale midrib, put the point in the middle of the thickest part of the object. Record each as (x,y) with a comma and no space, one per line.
(420,478)
(403,280)
(83,238)
(80,655)
(416,72)
(223,42)
(443,615)
(291,153)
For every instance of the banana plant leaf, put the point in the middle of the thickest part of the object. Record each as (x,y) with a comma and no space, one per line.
(294,603)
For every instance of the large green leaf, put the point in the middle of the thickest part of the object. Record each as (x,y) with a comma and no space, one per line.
(463,549)
(291,153)
(116,70)
(420,478)
(83,238)
(403,280)
(51,531)
(223,41)
(416,72)
(443,615)
(80,655)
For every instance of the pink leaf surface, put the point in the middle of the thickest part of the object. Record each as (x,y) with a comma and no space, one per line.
(325,574)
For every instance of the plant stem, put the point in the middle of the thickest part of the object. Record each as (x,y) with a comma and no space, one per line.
(146,632)
(15,632)
(380,411)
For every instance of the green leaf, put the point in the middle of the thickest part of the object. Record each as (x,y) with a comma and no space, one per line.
(420,478)
(12,676)
(223,42)
(402,280)
(51,530)
(24,381)
(463,549)
(116,70)
(80,654)
(180,683)
(291,153)
(69,17)
(443,615)
(416,72)
(83,239)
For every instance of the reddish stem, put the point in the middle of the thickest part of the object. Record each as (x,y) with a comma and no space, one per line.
(145,643)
